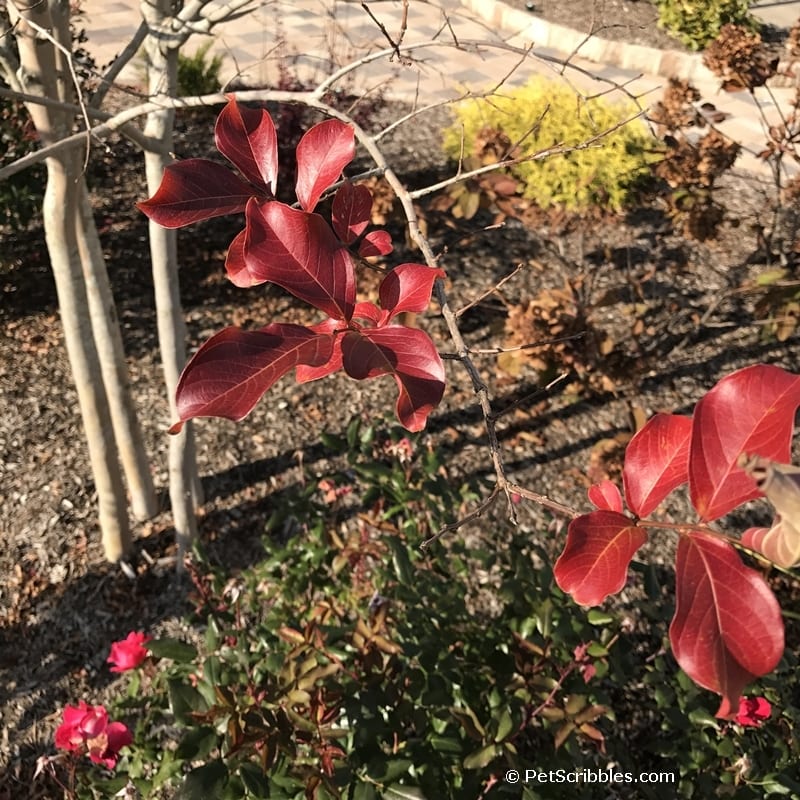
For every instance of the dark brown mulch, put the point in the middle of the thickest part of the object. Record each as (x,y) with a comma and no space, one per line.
(632,21)
(672,307)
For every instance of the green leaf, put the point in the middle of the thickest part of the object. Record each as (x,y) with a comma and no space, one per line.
(700,716)
(254,779)
(774,787)
(174,649)
(482,757)
(335,443)
(505,725)
(392,770)
(770,276)
(468,720)
(445,744)
(197,743)
(170,767)
(364,791)
(352,433)
(212,635)
(212,670)
(399,792)
(204,783)
(401,562)
(597,617)
(184,699)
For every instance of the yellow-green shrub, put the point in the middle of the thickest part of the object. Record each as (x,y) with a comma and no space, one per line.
(602,174)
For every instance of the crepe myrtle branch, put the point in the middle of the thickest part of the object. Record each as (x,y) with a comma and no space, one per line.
(403,28)
(496,288)
(313,99)
(462,351)
(535,396)
(473,515)
(129,52)
(67,55)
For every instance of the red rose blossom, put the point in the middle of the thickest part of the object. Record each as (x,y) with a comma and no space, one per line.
(129,653)
(86,729)
(753,711)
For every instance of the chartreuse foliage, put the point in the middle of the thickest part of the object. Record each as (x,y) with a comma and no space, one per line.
(310,258)
(698,22)
(546,114)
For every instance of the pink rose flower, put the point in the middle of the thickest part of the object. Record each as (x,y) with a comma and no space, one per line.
(105,748)
(129,653)
(753,711)
(80,723)
(86,729)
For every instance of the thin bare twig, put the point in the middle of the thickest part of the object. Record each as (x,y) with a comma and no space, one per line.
(394,44)
(496,351)
(496,288)
(454,526)
(130,51)
(536,395)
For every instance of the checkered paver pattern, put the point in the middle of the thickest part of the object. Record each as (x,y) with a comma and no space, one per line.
(314,37)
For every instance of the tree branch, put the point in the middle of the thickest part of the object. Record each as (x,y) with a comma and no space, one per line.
(130,51)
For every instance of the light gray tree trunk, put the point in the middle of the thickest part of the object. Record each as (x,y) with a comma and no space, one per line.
(42,71)
(162,76)
(108,338)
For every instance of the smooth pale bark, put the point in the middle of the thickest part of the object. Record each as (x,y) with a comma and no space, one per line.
(42,71)
(162,74)
(108,338)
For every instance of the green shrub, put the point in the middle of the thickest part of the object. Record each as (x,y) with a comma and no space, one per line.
(350,665)
(21,194)
(698,22)
(198,74)
(545,114)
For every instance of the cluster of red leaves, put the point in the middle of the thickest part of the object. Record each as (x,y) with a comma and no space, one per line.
(313,260)
(727,628)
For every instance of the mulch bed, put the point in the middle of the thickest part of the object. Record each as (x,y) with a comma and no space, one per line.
(674,309)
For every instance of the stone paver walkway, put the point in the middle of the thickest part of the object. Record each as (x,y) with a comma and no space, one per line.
(316,36)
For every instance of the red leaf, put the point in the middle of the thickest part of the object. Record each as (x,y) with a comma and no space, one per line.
(599,548)
(369,312)
(605,496)
(196,189)
(350,212)
(656,461)
(247,138)
(306,373)
(236,265)
(780,543)
(228,375)
(407,288)
(323,152)
(375,243)
(409,355)
(750,411)
(727,627)
(299,252)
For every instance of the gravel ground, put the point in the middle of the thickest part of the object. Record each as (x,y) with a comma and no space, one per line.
(673,309)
